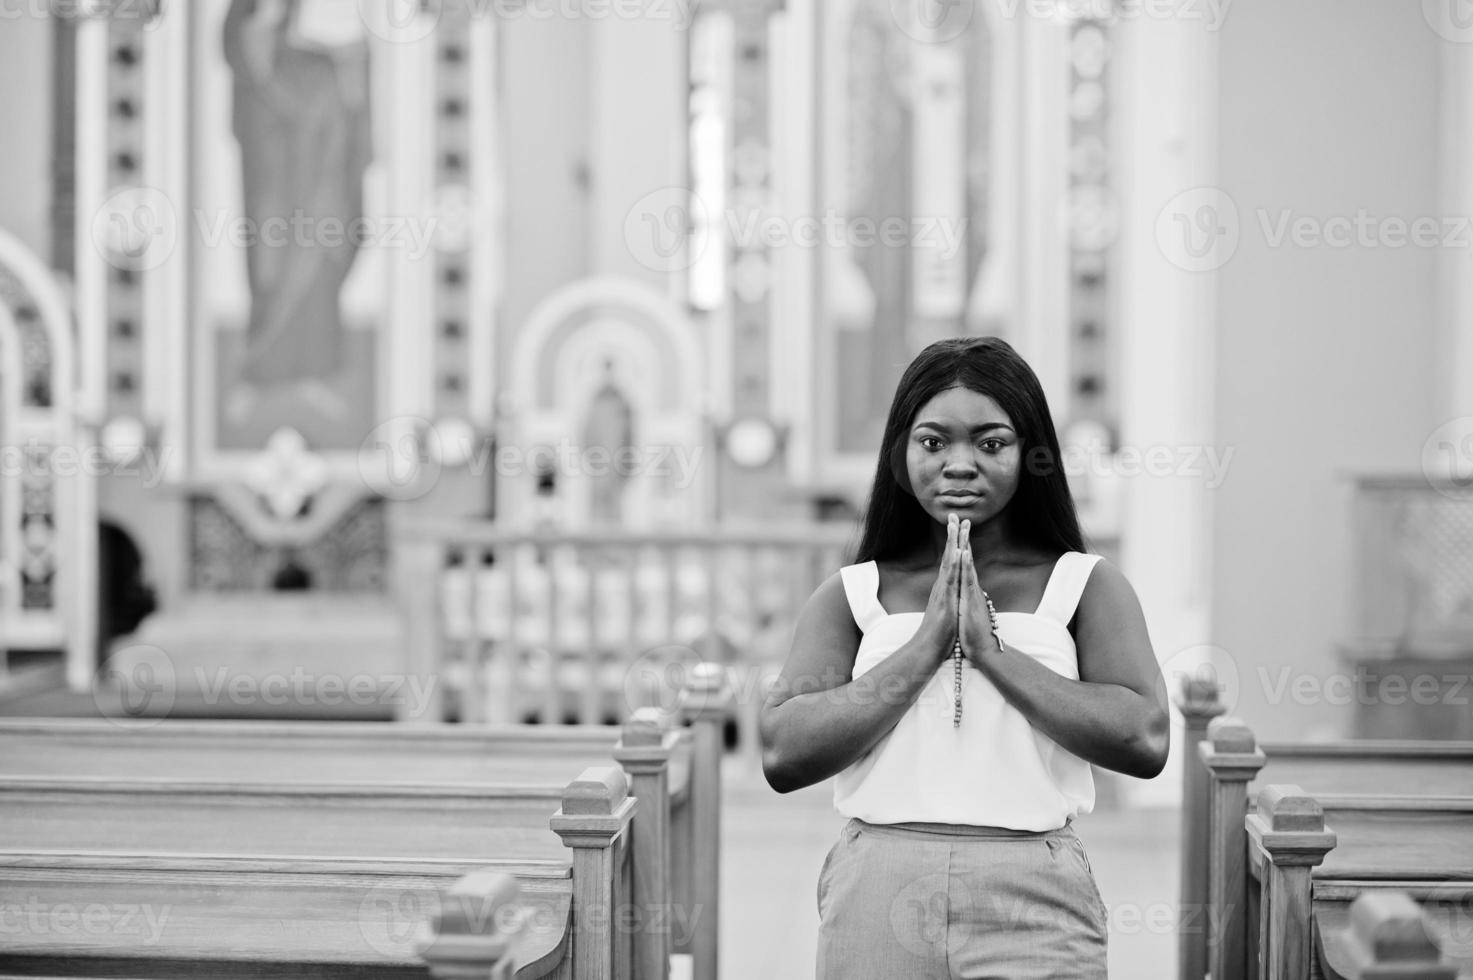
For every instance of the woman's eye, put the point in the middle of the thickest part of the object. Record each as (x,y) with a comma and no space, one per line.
(930,442)
(993,445)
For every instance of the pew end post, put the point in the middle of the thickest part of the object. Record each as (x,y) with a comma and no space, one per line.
(706,703)
(1389,937)
(471,936)
(1230,759)
(645,746)
(1198,703)
(594,821)
(1289,839)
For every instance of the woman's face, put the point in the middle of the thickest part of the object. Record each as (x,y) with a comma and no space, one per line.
(962,455)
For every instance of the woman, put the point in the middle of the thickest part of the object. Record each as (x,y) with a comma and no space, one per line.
(959,680)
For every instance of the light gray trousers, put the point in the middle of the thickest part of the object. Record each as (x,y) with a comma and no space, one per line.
(946,902)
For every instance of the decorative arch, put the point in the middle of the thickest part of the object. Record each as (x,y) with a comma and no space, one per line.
(48,499)
(556,365)
(564,312)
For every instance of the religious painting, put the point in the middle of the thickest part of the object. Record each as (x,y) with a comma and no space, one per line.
(289,228)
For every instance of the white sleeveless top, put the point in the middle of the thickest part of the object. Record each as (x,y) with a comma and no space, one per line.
(994,770)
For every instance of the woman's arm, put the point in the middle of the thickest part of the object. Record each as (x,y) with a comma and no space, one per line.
(818,719)
(1116,715)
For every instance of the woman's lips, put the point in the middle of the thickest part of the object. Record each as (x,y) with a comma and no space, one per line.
(959,499)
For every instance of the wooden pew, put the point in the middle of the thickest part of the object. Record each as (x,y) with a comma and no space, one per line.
(676,841)
(1382,935)
(1227,768)
(89,915)
(270,889)
(1311,856)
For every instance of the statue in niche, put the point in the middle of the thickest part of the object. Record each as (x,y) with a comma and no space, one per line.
(301,116)
(609,425)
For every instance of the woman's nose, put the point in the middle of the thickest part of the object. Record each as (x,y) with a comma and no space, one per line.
(959,461)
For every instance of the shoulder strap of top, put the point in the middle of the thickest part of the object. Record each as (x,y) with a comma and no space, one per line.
(862,588)
(1066,585)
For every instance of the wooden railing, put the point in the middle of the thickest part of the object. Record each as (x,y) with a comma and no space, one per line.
(522,626)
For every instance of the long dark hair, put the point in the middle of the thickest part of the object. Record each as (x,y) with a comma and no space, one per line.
(1042,510)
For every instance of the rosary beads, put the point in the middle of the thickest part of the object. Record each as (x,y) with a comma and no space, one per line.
(956,660)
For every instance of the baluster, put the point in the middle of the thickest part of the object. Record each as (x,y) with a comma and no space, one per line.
(554,693)
(593,691)
(511,556)
(422,576)
(713,652)
(1199,704)
(631,559)
(671,555)
(477,684)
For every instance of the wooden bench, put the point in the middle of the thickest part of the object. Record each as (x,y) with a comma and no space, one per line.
(1225,765)
(677,842)
(282,912)
(1312,856)
(1381,935)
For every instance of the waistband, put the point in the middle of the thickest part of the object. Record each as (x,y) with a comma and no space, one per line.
(933,831)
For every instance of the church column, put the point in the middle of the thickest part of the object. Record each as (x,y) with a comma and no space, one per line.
(1455,274)
(1166,133)
(749,277)
(750,442)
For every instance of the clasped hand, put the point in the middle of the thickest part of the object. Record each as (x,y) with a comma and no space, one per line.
(957,607)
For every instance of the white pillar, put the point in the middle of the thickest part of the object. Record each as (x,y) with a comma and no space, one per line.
(1455,271)
(1043,339)
(1166,133)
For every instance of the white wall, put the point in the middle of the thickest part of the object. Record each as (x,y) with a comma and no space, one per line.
(1325,356)
(25,129)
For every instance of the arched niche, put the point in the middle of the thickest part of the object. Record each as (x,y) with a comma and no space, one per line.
(559,360)
(48,502)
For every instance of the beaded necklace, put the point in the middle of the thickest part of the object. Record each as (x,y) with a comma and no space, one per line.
(956,659)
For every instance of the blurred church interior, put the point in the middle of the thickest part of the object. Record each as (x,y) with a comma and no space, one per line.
(542,348)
